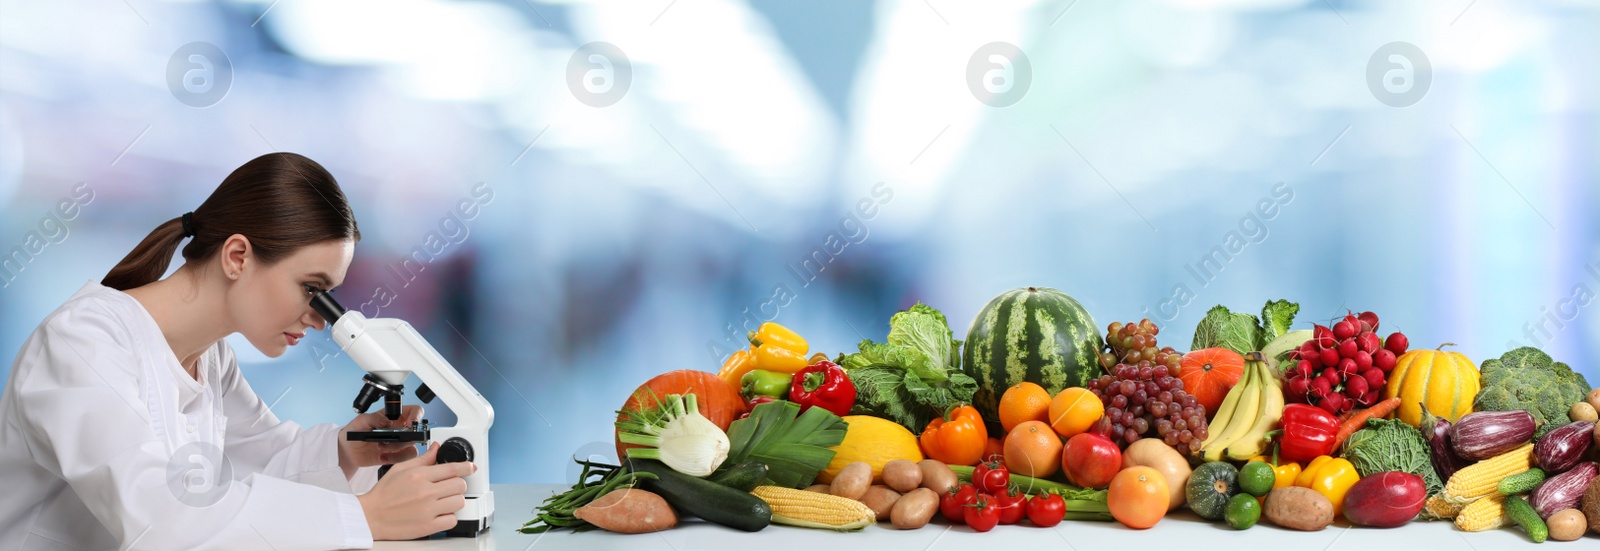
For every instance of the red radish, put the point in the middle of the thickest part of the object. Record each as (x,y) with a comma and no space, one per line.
(1369,320)
(1303,368)
(1348,348)
(1397,343)
(1355,387)
(1344,330)
(1299,386)
(1321,388)
(1308,350)
(1347,368)
(1322,335)
(1332,375)
(1369,342)
(1333,403)
(1385,500)
(1383,359)
(1363,359)
(1374,377)
(1372,397)
(1330,357)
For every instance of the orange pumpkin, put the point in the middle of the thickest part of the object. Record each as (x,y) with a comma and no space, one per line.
(1209,373)
(718,401)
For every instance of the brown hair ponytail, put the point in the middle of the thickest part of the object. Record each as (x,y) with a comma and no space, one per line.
(280,201)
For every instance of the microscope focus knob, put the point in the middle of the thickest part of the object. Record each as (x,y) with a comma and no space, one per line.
(455,450)
(425,394)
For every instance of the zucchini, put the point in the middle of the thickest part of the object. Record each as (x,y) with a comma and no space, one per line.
(1519,510)
(703,498)
(1522,482)
(743,477)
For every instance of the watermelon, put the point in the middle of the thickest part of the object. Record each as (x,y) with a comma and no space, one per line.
(1035,334)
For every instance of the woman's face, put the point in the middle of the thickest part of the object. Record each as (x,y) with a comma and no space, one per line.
(269,303)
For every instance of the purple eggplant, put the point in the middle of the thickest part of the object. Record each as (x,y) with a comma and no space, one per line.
(1485,434)
(1562,491)
(1440,452)
(1560,449)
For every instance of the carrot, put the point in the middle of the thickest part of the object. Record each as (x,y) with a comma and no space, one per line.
(1358,418)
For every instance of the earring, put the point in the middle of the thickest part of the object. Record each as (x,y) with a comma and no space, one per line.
(233,276)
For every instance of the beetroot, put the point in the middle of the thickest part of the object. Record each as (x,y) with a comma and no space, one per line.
(1385,500)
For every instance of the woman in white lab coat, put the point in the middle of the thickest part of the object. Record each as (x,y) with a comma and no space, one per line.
(126,423)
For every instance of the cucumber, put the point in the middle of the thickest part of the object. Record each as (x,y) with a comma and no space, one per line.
(1519,510)
(1521,483)
(743,477)
(703,498)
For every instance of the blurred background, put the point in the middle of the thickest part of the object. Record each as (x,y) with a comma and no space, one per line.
(654,178)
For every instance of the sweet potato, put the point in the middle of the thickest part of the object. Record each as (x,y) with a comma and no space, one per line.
(1299,508)
(629,511)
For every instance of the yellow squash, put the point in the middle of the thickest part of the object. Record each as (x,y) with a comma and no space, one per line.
(1444,382)
(873,440)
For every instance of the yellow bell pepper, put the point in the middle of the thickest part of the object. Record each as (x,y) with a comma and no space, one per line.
(1283,475)
(1331,477)
(776,348)
(737,364)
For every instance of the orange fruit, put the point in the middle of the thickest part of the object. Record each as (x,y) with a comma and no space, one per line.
(1138,497)
(1023,402)
(1032,449)
(1074,410)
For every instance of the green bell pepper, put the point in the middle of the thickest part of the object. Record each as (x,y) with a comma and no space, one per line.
(760,382)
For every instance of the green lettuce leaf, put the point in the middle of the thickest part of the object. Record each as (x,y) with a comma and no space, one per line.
(1276,317)
(881,392)
(915,376)
(1222,328)
(924,329)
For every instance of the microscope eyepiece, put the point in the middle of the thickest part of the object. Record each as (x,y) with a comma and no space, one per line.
(325,306)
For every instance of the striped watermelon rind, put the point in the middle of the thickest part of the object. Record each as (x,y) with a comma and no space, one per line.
(1034,334)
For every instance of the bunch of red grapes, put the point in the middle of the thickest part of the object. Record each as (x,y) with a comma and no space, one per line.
(1344,366)
(1142,393)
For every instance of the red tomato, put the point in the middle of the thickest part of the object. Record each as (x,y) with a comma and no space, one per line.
(992,477)
(982,514)
(1091,460)
(1046,510)
(953,505)
(1012,505)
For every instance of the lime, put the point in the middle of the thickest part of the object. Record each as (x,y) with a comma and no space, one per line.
(1243,511)
(1256,478)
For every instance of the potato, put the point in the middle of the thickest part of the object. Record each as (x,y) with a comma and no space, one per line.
(1582,411)
(1298,508)
(937,476)
(1567,525)
(1591,504)
(915,509)
(902,475)
(852,481)
(1594,399)
(629,511)
(880,499)
(819,488)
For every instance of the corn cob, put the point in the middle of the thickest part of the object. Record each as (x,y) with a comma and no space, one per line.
(815,510)
(1483,478)
(1440,508)
(1487,513)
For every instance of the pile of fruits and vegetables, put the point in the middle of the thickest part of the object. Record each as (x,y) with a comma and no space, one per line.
(1039,417)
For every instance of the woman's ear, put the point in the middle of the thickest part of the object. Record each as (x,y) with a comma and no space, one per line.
(235,256)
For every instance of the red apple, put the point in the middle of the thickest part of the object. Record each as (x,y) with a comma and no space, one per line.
(1091,460)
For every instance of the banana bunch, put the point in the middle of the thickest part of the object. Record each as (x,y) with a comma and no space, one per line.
(1251,409)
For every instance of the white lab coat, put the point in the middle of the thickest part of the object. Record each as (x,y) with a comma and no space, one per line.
(92,417)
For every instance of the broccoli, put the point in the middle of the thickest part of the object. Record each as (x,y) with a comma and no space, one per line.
(1528,379)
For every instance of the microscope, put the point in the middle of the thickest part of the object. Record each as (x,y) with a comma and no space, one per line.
(389,350)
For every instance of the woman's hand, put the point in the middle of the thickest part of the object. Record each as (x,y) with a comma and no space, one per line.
(416,498)
(355,455)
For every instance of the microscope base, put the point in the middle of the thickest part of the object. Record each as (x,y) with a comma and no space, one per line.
(474,518)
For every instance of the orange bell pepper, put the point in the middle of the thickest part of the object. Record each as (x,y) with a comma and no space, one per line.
(737,364)
(959,438)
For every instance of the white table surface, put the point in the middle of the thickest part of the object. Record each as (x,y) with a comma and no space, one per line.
(1180,531)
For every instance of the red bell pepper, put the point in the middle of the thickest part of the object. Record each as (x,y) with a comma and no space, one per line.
(1308,433)
(825,385)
